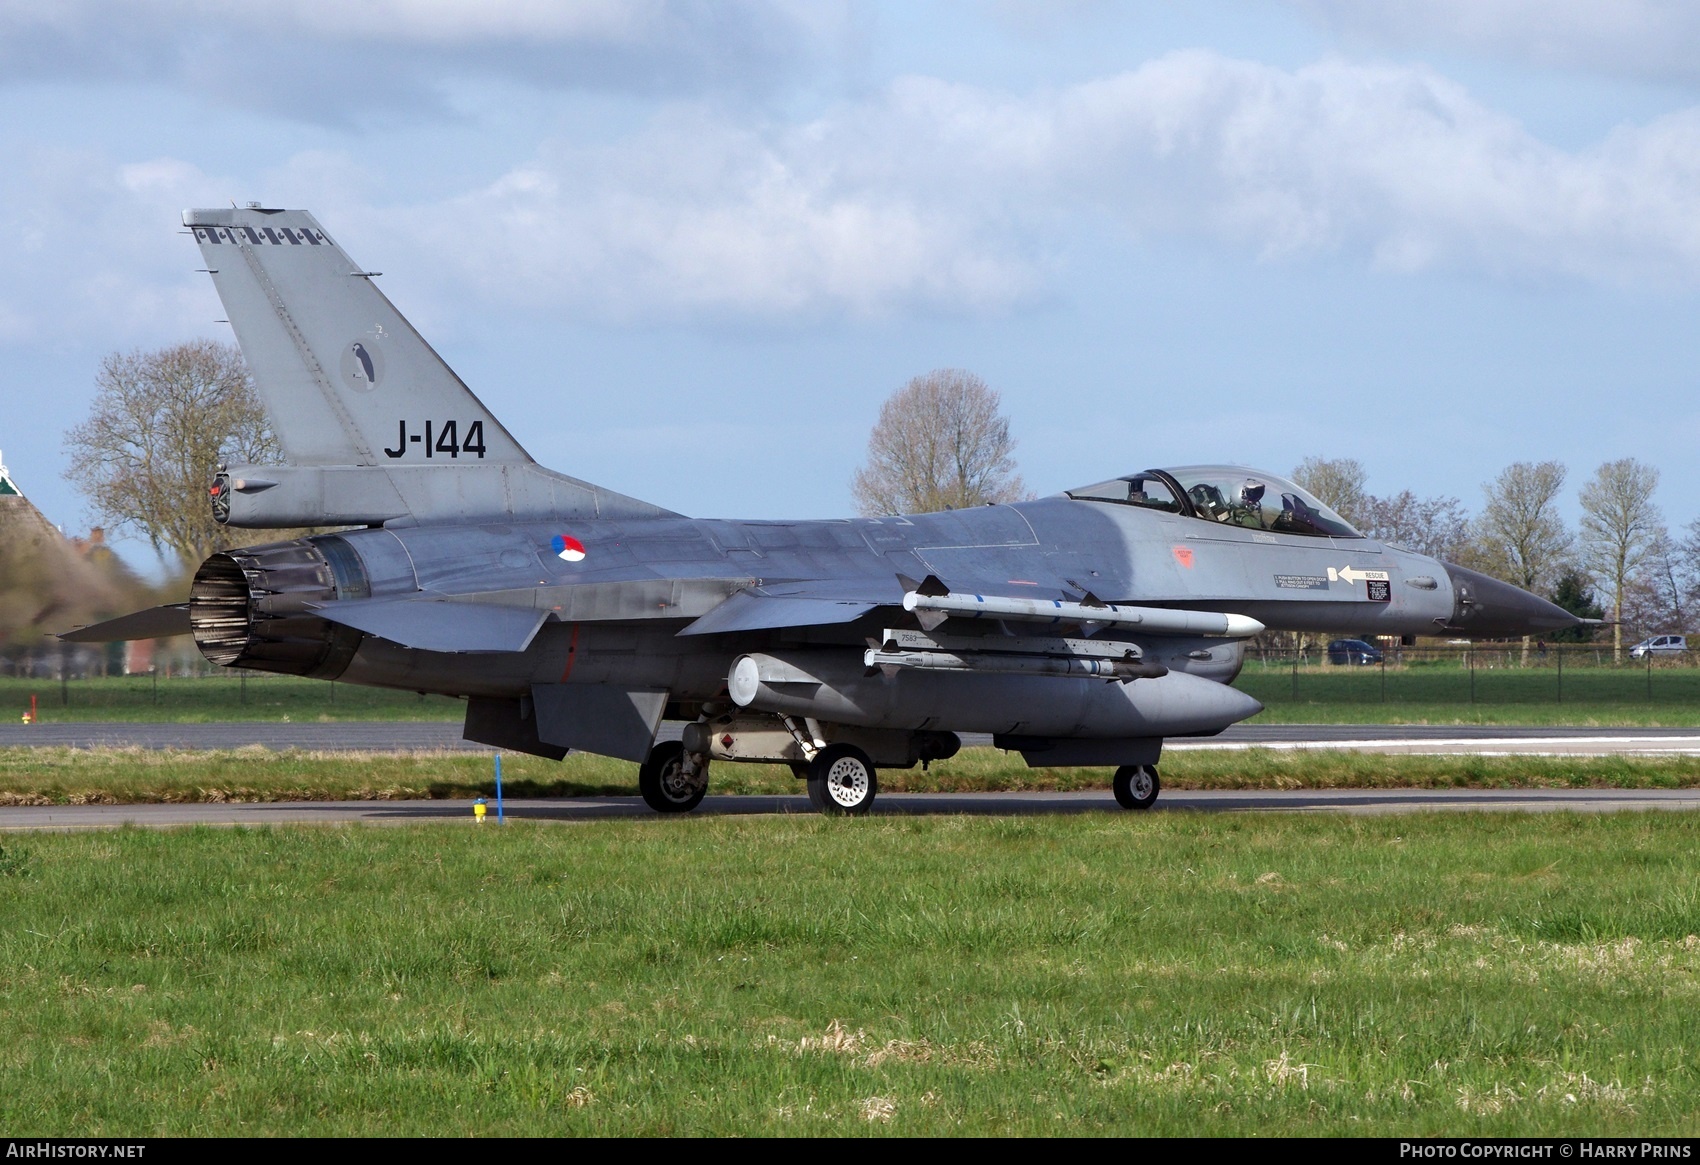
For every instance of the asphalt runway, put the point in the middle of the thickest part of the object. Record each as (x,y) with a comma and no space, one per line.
(386,736)
(354,736)
(585,809)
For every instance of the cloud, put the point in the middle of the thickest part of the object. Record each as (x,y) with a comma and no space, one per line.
(700,213)
(339,61)
(964,199)
(1395,163)
(934,196)
(94,248)
(1646,40)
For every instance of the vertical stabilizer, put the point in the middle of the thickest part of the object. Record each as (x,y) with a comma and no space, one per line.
(344,377)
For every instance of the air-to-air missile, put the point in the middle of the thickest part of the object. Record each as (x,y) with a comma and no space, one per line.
(1078,629)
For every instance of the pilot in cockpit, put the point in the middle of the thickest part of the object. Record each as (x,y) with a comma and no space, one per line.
(1249,512)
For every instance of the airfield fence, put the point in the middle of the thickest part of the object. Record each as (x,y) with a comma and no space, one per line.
(212,693)
(1468,674)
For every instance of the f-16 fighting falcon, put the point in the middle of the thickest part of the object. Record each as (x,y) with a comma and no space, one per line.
(1078,629)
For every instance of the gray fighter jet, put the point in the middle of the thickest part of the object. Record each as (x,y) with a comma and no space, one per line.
(1079,629)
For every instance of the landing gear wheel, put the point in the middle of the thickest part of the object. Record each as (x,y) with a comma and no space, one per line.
(664,783)
(842,781)
(1137,786)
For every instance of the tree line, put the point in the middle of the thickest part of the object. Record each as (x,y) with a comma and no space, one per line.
(1646,577)
(162,421)
(942,442)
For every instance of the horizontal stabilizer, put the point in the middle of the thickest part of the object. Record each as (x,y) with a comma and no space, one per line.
(756,611)
(153,623)
(439,624)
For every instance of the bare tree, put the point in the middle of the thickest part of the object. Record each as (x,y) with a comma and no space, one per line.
(1338,483)
(940,443)
(1520,535)
(1654,602)
(161,423)
(1620,529)
(1438,526)
(1685,565)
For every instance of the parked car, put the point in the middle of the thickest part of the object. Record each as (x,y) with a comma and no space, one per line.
(1353,651)
(1659,645)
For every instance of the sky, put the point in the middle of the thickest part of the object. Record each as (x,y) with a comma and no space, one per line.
(685,248)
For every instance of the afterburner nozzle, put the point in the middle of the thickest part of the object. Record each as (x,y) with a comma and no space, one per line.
(1484,607)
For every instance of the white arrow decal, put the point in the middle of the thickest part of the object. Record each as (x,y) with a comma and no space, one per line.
(1350,574)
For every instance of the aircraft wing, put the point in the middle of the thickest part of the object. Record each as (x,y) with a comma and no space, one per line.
(435,624)
(751,611)
(803,604)
(153,623)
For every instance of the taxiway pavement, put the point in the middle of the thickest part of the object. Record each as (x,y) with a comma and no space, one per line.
(583,809)
(438,735)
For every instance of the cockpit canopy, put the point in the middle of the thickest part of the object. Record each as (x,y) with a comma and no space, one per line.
(1228,494)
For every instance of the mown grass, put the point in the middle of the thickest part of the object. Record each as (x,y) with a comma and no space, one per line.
(64,776)
(1107,973)
(1434,693)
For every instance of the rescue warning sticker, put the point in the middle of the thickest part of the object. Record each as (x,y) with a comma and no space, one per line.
(1301,582)
(1351,574)
(1378,584)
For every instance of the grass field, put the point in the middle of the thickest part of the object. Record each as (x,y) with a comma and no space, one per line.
(64,776)
(1418,694)
(1445,693)
(1106,973)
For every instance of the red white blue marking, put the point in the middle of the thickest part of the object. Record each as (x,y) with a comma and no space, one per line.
(567,548)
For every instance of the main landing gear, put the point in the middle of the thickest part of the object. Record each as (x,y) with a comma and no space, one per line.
(672,781)
(1136,786)
(842,781)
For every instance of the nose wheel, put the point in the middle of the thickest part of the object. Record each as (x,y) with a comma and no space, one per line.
(1136,786)
(672,781)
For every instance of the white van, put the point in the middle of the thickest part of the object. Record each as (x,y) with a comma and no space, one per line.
(1659,645)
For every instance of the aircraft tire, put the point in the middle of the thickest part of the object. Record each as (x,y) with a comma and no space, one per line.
(660,780)
(842,781)
(1136,786)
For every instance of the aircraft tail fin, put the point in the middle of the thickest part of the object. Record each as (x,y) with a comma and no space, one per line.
(344,377)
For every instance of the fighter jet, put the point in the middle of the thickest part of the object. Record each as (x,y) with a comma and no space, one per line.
(1079,629)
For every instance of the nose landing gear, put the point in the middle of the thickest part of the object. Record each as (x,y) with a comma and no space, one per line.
(1136,786)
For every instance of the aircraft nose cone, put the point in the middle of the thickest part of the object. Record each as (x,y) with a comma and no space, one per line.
(1484,607)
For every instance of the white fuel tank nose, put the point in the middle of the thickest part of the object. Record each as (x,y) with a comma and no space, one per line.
(744,682)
